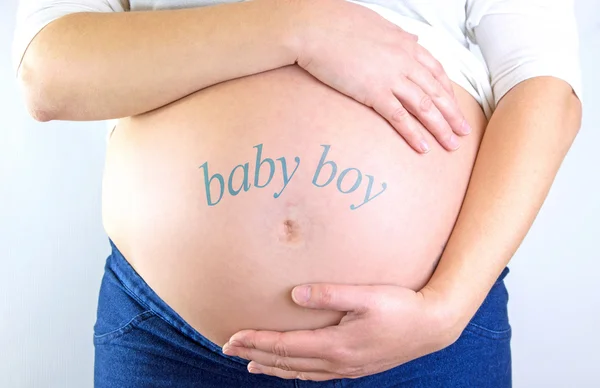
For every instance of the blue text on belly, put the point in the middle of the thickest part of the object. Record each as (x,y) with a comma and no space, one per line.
(344,176)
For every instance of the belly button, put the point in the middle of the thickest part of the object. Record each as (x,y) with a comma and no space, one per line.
(290,232)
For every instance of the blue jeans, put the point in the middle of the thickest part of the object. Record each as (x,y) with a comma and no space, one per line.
(141,342)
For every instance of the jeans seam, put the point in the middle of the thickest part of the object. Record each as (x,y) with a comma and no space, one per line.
(133,322)
(132,294)
(488,333)
(489,330)
(149,308)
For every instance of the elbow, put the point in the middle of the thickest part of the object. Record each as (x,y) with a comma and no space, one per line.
(38,112)
(39,115)
(39,98)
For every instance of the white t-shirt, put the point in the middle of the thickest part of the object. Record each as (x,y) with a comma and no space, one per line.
(518,39)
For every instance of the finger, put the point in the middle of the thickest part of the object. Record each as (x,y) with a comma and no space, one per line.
(284,374)
(424,57)
(300,364)
(418,103)
(403,122)
(336,297)
(298,343)
(403,33)
(445,102)
(413,37)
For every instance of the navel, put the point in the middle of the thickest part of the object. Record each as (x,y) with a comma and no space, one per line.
(290,232)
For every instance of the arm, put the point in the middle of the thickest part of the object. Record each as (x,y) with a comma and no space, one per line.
(524,144)
(104,65)
(531,49)
(90,60)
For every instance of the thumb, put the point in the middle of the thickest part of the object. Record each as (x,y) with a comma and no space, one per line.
(337,297)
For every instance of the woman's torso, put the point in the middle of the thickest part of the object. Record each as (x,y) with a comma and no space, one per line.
(226,263)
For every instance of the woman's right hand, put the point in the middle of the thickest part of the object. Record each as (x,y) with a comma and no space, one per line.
(361,54)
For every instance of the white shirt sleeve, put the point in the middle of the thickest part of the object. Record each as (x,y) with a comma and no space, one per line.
(522,39)
(34,15)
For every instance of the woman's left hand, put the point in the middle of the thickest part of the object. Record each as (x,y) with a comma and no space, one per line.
(385,326)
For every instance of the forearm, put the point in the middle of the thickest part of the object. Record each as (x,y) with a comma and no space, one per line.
(523,147)
(97,66)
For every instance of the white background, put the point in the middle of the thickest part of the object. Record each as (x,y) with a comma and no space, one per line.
(53,247)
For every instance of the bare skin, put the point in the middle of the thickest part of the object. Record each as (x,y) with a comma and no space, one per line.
(231,266)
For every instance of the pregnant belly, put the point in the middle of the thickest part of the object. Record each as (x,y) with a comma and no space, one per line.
(226,199)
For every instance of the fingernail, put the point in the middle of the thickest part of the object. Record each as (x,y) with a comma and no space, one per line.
(234,343)
(424,146)
(254,369)
(301,294)
(453,142)
(466,128)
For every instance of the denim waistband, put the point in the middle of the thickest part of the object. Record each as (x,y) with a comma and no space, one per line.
(143,293)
